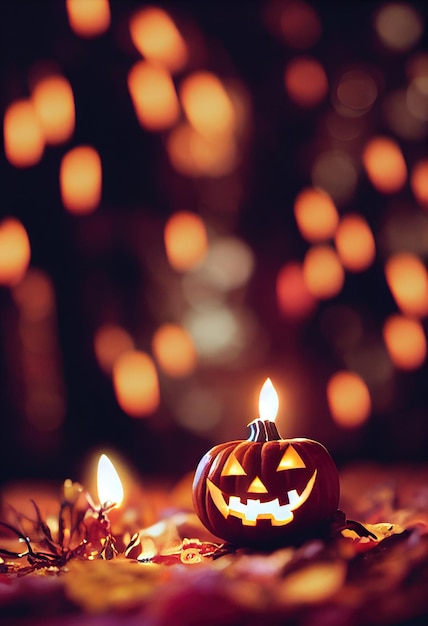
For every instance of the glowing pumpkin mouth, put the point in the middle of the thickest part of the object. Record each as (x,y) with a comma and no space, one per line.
(253,510)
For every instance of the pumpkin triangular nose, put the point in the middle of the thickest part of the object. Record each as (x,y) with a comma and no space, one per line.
(257,486)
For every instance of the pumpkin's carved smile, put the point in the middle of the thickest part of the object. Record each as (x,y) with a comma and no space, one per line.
(253,510)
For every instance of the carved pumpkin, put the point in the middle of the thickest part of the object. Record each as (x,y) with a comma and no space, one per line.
(266,491)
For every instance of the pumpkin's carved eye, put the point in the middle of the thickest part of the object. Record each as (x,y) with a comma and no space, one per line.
(232,467)
(291,459)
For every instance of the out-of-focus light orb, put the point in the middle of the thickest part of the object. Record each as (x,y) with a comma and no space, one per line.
(417,98)
(110,341)
(348,399)
(15,251)
(53,102)
(306,81)
(207,104)
(88,18)
(295,301)
(34,295)
(300,25)
(356,93)
(195,155)
(316,215)
(419,182)
(80,180)
(355,243)
(174,350)
(186,240)
(323,272)
(334,171)
(153,96)
(407,280)
(157,38)
(399,26)
(405,341)
(24,141)
(384,164)
(400,119)
(136,383)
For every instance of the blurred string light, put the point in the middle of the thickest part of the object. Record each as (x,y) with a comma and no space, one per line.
(186,240)
(136,383)
(24,142)
(157,38)
(355,243)
(15,251)
(348,399)
(53,101)
(419,182)
(174,350)
(153,96)
(80,180)
(88,18)
(110,341)
(323,272)
(405,341)
(41,387)
(398,25)
(306,81)
(407,279)
(316,215)
(295,300)
(385,165)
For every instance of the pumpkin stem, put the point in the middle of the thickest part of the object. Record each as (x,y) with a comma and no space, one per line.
(263,430)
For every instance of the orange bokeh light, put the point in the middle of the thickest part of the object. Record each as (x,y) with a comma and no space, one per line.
(348,399)
(153,96)
(355,243)
(306,81)
(54,105)
(15,251)
(81,180)
(88,18)
(294,298)
(157,38)
(186,240)
(419,182)
(315,214)
(207,104)
(407,279)
(110,342)
(174,350)
(136,383)
(23,135)
(405,341)
(322,271)
(385,165)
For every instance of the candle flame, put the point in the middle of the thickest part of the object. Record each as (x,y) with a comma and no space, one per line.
(109,485)
(268,401)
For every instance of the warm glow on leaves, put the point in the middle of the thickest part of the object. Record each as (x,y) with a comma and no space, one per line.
(153,96)
(322,271)
(384,164)
(207,104)
(405,341)
(136,383)
(23,136)
(174,350)
(348,399)
(54,105)
(186,240)
(355,243)
(306,81)
(88,18)
(419,182)
(157,38)
(294,298)
(15,251)
(81,179)
(110,342)
(315,214)
(407,279)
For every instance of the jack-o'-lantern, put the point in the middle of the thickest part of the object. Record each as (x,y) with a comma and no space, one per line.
(266,491)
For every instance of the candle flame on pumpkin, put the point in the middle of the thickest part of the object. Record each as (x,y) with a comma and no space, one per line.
(109,485)
(268,401)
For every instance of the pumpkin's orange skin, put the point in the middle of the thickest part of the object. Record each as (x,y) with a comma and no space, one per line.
(261,459)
